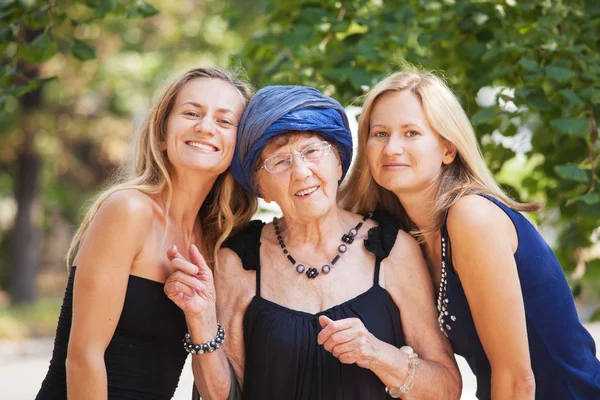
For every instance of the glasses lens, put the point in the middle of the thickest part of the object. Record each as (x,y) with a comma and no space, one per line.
(316,151)
(278,163)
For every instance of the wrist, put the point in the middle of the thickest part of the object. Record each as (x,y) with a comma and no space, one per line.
(202,328)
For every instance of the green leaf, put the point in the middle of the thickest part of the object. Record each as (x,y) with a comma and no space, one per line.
(595,317)
(404,13)
(571,97)
(572,173)
(83,51)
(41,49)
(483,115)
(528,64)
(570,126)
(539,101)
(146,9)
(559,74)
(589,199)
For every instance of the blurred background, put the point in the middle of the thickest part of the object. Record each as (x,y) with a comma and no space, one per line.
(78,76)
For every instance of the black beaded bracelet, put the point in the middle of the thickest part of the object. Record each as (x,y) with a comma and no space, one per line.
(207,347)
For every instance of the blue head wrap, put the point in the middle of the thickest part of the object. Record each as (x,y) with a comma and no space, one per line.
(279,109)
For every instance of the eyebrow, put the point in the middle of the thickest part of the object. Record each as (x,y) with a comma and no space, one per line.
(403,126)
(198,105)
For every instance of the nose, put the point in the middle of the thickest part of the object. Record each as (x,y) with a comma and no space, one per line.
(300,168)
(394,146)
(206,126)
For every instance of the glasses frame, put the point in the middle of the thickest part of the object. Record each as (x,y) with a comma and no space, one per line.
(326,152)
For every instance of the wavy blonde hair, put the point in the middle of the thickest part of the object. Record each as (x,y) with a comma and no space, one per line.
(227,205)
(468,172)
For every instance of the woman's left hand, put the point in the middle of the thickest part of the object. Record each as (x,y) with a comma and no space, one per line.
(348,340)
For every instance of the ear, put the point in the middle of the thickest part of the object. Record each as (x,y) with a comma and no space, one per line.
(163,145)
(449,152)
(339,166)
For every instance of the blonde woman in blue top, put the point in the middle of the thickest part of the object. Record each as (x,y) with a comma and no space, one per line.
(502,297)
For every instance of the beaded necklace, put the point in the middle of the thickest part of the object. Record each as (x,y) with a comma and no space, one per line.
(311,272)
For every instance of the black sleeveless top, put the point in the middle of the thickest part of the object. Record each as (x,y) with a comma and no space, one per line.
(283,358)
(145,355)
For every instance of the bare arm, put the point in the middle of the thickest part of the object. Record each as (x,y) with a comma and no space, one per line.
(484,260)
(185,288)
(111,243)
(407,280)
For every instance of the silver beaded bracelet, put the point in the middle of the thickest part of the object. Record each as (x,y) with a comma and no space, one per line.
(413,361)
(207,347)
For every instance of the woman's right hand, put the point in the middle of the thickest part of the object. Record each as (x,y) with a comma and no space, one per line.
(191,286)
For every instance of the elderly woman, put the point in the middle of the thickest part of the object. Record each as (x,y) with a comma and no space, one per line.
(308,310)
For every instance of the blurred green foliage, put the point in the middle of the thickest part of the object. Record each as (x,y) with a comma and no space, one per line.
(101,62)
(541,57)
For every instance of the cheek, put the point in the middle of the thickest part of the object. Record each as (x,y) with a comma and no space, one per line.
(373,154)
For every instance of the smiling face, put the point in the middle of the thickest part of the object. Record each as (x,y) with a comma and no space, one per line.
(306,190)
(202,126)
(404,153)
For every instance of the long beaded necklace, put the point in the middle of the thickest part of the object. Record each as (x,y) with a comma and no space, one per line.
(311,272)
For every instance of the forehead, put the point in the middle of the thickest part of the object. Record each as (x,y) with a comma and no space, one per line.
(294,139)
(402,107)
(211,92)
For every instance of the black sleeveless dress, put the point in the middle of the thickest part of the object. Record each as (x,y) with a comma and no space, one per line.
(145,356)
(283,358)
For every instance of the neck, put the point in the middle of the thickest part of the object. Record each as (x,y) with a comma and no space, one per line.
(188,195)
(323,232)
(419,205)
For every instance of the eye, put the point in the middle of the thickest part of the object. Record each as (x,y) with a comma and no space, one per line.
(225,122)
(412,133)
(190,113)
(380,134)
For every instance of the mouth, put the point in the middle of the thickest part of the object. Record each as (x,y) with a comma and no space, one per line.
(307,191)
(395,165)
(204,147)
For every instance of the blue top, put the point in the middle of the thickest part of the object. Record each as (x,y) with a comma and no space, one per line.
(283,358)
(562,351)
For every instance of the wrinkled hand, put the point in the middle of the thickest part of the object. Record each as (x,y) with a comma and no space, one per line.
(190,285)
(348,340)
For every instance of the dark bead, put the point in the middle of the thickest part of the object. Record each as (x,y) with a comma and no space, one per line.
(300,268)
(359,225)
(312,273)
(282,245)
(205,348)
(326,269)
(347,238)
(335,259)
(342,248)
(218,339)
(285,251)
(212,343)
(289,257)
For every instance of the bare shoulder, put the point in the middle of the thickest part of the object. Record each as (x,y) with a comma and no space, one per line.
(406,247)
(476,214)
(230,275)
(130,204)
(121,224)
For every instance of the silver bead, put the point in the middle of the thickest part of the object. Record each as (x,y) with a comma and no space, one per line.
(326,269)
(300,268)
(453,318)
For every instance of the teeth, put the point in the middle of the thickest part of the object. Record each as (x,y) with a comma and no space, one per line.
(306,191)
(202,146)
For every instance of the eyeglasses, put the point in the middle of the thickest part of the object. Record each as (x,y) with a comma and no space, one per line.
(312,152)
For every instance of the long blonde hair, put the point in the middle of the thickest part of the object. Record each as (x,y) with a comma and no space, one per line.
(468,172)
(227,205)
